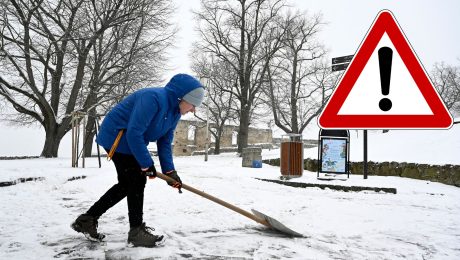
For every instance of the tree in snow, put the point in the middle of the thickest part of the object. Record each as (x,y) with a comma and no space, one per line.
(58,57)
(300,80)
(220,104)
(446,79)
(126,57)
(233,32)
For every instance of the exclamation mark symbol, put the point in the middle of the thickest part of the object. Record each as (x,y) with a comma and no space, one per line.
(385,57)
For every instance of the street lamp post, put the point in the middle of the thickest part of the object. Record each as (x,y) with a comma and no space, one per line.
(206,148)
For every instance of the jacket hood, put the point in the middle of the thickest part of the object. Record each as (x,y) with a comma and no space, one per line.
(181,84)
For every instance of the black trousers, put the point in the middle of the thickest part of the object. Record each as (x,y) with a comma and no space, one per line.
(131,184)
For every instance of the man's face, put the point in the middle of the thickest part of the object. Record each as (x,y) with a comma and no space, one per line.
(186,107)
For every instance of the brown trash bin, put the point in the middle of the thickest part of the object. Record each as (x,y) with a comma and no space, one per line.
(291,155)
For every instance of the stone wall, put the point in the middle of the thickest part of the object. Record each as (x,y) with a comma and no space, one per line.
(256,136)
(183,146)
(447,174)
(307,143)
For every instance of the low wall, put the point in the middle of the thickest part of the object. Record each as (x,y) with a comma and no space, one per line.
(447,174)
(18,157)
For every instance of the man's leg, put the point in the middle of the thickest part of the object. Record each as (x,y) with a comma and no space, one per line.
(139,234)
(87,223)
(124,164)
(135,199)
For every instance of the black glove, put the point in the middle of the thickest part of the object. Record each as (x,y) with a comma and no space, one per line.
(177,183)
(151,172)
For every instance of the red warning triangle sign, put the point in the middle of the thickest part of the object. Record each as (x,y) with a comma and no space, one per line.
(385,86)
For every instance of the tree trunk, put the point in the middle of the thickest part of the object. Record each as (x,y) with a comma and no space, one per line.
(90,128)
(52,141)
(294,116)
(218,137)
(244,128)
(217,145)
(90,132)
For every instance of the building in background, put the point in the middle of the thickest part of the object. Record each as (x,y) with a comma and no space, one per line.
(190,138)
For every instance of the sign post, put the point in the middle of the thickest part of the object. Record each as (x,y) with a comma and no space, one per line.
(365,155)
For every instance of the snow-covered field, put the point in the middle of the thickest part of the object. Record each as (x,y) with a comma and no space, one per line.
(421,221)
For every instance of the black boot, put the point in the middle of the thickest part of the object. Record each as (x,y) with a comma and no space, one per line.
(141,236)
(87,225)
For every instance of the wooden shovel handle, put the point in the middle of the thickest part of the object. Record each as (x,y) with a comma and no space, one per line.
(217,200)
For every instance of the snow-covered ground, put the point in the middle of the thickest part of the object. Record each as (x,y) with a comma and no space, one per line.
(421,221)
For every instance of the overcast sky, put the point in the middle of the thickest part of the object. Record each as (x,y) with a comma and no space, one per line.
(431,27)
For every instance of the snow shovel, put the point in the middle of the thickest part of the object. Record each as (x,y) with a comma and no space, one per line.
(256,215)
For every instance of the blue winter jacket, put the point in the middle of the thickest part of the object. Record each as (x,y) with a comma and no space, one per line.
(147,115)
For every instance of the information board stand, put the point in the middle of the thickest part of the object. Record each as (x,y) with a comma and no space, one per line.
(333,154)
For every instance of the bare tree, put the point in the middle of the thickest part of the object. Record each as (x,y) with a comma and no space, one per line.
(220,103)
(233,32)
(446,79)
(47,63)
(299,81)
(126,57)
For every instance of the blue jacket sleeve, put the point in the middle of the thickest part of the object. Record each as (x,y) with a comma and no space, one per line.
(165,151)
(143,112)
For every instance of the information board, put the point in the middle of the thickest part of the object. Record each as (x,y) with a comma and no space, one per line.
(333,155)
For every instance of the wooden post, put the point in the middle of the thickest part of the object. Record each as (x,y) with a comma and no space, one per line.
(77,118)
(96,126)
(77,139)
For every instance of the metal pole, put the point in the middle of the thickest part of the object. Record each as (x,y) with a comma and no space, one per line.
(319,151)
(365,155)
(348,153)
(207,126)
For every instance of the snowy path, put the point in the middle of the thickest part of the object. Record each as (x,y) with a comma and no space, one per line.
(421,221)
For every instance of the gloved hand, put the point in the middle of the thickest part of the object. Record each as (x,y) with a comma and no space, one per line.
(177,183)
(151,172)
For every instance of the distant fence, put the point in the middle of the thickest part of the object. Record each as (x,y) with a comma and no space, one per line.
(447,174)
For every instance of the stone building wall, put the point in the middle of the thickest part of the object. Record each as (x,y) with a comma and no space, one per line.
(257,136)
(182,145)
(227,136)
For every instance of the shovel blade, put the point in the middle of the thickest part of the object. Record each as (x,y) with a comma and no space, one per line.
(276,225)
